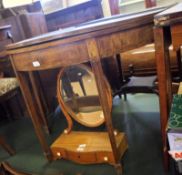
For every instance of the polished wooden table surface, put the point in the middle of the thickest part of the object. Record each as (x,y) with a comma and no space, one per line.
(90,42)
(168,30)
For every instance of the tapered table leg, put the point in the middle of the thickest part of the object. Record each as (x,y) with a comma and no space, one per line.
(102,89)
(30,104)
(37,95)
(162,42)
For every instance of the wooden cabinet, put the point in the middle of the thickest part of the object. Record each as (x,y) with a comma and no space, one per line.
(26,25)
(74,15)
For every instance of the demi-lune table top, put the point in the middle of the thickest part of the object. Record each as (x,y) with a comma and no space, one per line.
(170,16)
(94,28)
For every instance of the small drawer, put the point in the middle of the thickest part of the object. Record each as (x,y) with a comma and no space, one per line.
(105,157)
(51,57)
(58,153)
(30,61)
(82,157)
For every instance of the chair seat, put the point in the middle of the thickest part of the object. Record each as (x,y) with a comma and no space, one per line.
(7,85)
(140,85)
(141,81)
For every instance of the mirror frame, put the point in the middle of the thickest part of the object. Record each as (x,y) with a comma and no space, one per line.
(67,111)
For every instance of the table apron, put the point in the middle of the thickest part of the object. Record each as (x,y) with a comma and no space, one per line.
(62,55)
(176,33)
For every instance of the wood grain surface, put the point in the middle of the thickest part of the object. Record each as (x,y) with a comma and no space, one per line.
(87,147)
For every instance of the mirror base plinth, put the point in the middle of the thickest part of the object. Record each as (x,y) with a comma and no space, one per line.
(88,147)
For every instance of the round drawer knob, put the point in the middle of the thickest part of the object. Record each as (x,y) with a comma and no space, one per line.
(106,159)
(59,154)
(65,131)
(115,132)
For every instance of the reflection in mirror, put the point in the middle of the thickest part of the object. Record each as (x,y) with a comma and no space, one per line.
(80,96)
(50,6)
(10,3)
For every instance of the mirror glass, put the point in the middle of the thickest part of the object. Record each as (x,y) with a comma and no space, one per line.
(80,95)
(12,3)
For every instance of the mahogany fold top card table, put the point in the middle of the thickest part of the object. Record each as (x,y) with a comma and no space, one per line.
(89,42)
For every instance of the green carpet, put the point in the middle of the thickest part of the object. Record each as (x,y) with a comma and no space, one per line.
(138,117)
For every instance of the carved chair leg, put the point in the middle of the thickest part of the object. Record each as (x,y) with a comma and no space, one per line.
(6,146)
(9,170)
(7,110)
(82,87)
(125,97)
(19,104)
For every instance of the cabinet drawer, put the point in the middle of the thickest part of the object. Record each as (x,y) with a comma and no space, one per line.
(82,157)
(58,153)
(105,157)
(53,57)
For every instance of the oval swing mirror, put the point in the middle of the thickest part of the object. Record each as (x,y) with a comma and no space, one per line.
(79,97)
